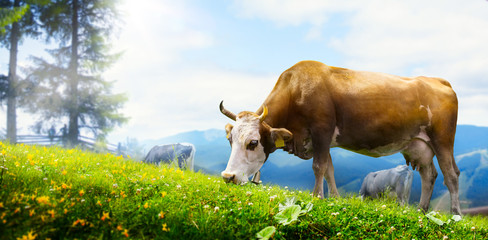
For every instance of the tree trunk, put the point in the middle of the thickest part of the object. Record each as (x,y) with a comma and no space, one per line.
(73,131)
(12,82)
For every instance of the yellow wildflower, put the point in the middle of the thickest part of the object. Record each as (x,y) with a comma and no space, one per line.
(1,204)
(82,222)
(82,192)
(51,212)
(30,156)
(99,203)
(126,233)
(4,152)
(146,205)
(64,172)
(105,216)
(161,215)
(30,236)
(31,212)
(65,211)
(43,199)
(165,227)
(61,200)
(120,228)
(163,194)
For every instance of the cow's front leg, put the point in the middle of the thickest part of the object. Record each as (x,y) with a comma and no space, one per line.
(322,167)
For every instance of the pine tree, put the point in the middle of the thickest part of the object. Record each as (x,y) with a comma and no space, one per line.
(17,20)
(71,88)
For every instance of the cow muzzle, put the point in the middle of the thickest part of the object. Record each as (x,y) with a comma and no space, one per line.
(229,177)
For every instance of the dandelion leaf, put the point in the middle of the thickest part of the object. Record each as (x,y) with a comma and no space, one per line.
(288,215)
(266,233)
(288,202)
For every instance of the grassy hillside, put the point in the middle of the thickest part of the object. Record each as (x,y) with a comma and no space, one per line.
(52,193)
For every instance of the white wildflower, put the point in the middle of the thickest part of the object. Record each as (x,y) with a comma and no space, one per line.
(272,198)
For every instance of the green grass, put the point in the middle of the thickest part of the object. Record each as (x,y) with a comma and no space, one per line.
(52,193)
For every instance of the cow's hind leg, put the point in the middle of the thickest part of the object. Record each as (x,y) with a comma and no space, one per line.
(451,177)
(419,154)
(442,139)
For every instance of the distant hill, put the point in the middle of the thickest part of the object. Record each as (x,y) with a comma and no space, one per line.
(470,150)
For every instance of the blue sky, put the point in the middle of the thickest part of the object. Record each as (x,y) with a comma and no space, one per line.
(183,57)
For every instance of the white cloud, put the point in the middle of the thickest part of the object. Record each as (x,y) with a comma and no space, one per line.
(190,101)
(473,110)
(292,12)
(157,32)
(434,36)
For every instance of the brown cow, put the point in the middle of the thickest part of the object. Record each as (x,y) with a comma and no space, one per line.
(314,107)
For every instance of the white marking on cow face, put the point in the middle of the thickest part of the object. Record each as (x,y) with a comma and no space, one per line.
(247,155)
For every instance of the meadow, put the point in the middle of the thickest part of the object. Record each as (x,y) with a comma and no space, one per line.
(55,193)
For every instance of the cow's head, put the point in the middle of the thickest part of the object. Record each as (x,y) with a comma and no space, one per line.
(251,140)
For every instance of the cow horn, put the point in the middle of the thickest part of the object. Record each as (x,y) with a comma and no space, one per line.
(226,112)
(264,114)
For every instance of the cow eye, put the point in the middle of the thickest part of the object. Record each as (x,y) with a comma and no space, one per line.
(252,145)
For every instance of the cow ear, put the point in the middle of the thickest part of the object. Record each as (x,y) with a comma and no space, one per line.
(280,136)
(228,129)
